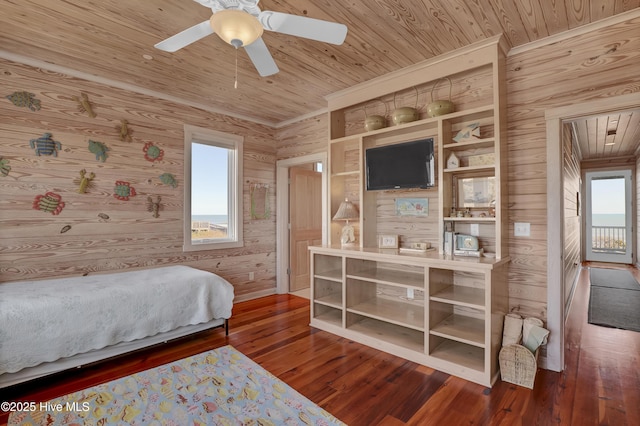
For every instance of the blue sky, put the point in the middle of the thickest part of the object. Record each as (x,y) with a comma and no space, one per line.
(208,179)
(607,196)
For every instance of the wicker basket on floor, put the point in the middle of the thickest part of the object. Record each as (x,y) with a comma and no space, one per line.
(518,365)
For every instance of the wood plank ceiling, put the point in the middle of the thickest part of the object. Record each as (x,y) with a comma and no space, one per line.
(608,136)
(113,40)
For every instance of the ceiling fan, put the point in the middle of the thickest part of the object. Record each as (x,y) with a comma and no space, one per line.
(241,24)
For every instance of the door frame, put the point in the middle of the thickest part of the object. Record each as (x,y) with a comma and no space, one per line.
(627,175)
(282,213)
(556,312)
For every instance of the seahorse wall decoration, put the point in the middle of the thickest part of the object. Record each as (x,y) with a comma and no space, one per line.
(124,131)
(84,105)
(85,181)
(154,207)
(5,168)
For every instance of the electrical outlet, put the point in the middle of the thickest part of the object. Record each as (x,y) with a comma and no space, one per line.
(521,229)
(410,293)
(252,276)
(474,229)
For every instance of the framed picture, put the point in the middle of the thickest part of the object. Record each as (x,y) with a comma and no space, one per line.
(412,207)
(479,192)
(387,241)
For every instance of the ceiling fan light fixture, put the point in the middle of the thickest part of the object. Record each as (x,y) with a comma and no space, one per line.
(235,25)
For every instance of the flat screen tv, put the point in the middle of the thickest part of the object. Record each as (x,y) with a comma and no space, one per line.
(402,165)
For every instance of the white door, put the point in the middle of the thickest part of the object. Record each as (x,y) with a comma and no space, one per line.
(609,216)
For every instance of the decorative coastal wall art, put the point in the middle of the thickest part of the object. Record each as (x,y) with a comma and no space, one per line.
(259,203)
(99,149)
(154,206)
(169,179)
(123,190)
(84,105)
(49,203)
(124,131)
(152,153)
(84,181)
(45,145)
(25,99)
(5,168)
(412,206)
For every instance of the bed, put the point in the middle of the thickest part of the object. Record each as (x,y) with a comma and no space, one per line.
(51,325)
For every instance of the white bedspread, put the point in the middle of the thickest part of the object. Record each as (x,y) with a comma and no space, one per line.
(42,321)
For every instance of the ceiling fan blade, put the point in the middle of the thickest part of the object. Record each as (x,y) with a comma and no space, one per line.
(301,26)
(186,37)
(261,58)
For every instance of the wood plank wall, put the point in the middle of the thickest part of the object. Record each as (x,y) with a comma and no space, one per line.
(599,64)
(572,217)
(31,243)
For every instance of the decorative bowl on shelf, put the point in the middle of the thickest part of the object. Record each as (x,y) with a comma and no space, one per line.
(404,114)
(440,106)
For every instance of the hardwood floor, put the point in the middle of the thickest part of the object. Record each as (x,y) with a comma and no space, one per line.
(363,386)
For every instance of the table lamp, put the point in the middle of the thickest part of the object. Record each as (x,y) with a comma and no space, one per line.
(347,211)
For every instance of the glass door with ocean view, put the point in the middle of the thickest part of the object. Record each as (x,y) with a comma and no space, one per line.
(608,216)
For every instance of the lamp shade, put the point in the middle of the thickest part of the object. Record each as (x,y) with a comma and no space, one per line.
(346,211)
(235,25)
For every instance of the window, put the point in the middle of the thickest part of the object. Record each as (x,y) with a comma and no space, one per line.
(213,189)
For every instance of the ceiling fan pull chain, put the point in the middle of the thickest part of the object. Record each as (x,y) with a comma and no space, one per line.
(235,84)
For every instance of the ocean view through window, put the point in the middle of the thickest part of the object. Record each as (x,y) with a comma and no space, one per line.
(213,190)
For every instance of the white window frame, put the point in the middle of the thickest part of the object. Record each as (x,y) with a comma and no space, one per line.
(235,144)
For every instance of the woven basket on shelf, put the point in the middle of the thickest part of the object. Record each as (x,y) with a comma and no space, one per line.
(518,365)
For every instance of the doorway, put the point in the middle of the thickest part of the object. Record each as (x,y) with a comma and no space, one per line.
(283,239)
(608,236)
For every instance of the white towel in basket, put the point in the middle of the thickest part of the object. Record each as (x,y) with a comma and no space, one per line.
(512,333)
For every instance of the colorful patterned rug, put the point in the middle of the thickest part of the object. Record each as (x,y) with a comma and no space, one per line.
(219,387)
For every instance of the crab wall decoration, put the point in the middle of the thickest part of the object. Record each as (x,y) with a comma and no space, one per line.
(99,149)
(169,179)
(45,145)
(152,153)
(49,203)
(123,190)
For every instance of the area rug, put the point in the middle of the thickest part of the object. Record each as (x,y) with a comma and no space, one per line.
(615,299)
(218,387)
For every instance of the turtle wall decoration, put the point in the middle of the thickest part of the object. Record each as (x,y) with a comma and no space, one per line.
(152,153)
(49,203)
(123,190)
(45,145)
(24,99)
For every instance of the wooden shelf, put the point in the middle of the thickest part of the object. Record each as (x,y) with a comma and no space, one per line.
(462,329)
(390,333)
(329,315)
(399,313)
(469,219)
(476,143)
(390,277)
(332,275)
(333,300)
(460,354)
(464,169)
(461,296)
(347,173)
